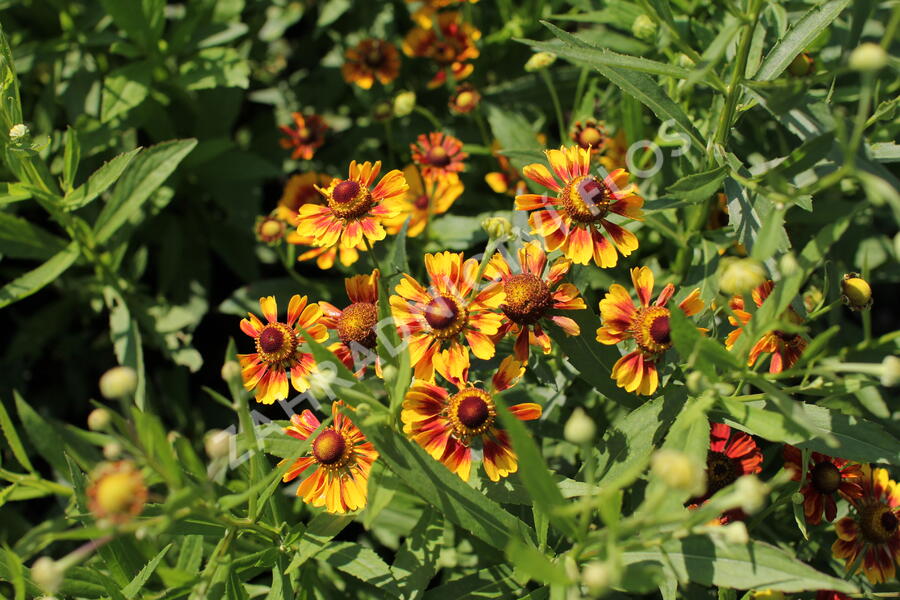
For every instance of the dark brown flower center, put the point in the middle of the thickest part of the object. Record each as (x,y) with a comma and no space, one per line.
(472,412)
(527,298)
(421,202)
(826,477)
(345,191)
(271,339)
(329,447)
(357,324)
(659,330)
(721,471)
(441,312)
(586,199)
(877,523)
(438,157)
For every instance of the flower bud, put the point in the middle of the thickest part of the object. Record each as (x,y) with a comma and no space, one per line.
(112,450)
(735,533)
(679,471)
(19,135)
(217,443)
(580,428)
(383,111)
(741,275)
(644,28)
(868,57)
(798,498)
(597,577)
(118,382)
(404,103)
(465,99)
(685,61)
(497,227)
(802,65)
(230,370)
(696,382)
(270,230)
(751,492)
(47,574)
(788,264)
(117,491)
(856,292)
(98,419)
(890,376)
(540,60)
(767,595)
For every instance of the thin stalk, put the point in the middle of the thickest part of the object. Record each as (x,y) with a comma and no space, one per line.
(556,105)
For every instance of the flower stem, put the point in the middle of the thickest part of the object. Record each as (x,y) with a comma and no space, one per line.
(556,105)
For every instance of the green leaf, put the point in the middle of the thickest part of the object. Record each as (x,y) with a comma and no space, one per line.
(214,68)
(798,38)
(823,430)
(362,563)
(141,20)
(142,178)
(124,89)
(99,181)
(71,158)
(13,192)
(456,232)
(32,281)
(44,435)
(593,360)
(534,474)
(416,561)
(515,134)
(126,340)
(536,565)
(495,581)
(316,536)
(698,187)
(769,238)
(755,565)
(12,438)
(640,86)
(697,350)
(442,489)
(131,590)
(21,239)
(601,56)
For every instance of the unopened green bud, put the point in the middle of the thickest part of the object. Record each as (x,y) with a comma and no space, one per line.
(580,428)
(217,443)
(644,28)
(540,60)
(47,574)
(231,370)
(741,275)
(98,419)
(735,533)
(868,57)
(597,577)
(497,227)
(856,292)
(112,450)
(404,103)
(19,134)
(890,376)
(679,471)
(752,493)
(788,265)
(118,382)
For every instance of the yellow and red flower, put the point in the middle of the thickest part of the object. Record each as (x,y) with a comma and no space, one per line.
(870,538)
(342,459)
(279,348)
(530,296)
(465,99)
(825,477)
(353,210)
(117,491)
(784,347)
(507,180)
(450,48)
(574,220)
(731,454)
(300,189)
(446,424)
(355,324)
(438,155)
(614,153)
(646,324)
(369,60)
(451,308)
(589,135)
(424,199)
(305,137)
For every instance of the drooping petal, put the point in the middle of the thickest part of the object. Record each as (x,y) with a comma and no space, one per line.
(508,374)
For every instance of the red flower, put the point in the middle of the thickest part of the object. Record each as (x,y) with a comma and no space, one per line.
(825,476)
(305,137)
(731,454)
